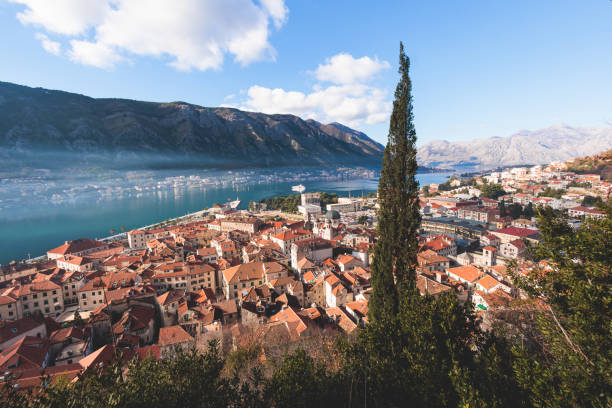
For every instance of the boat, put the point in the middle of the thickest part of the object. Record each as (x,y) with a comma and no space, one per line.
(234,204)
(300,188)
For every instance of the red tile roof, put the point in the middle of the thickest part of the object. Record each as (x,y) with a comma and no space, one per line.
(517,231)
(173,335)
(28,352)
(468,273)
(170,296)
(244,272)
(10,330)
(101,356)
(487,282)
(78,245)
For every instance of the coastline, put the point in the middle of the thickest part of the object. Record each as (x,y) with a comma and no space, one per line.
(77,220)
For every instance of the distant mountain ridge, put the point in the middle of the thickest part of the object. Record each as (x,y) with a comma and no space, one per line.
(38,123)
(555,143)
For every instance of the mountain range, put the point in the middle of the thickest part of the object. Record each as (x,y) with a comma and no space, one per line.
(555,143)
(41,127)
(59,127)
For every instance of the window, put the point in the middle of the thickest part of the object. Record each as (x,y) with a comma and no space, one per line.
(83,296)
(252,283)
(35,296)
(10,313)
(47,310)
(72,286)
(26,306)
(46,302)
(54,300)
(55,292)
(35,304)
(45,294)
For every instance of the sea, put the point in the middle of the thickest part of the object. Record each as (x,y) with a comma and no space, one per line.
(46,224)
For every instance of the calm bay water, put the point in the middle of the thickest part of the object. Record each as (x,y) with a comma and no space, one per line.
(33,235)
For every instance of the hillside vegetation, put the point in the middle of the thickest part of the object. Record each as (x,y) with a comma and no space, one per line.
(596,164)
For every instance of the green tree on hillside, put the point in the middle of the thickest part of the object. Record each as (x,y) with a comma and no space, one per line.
(327,198)
(528,211)
(77,320)
(571,364)
(590,201)
(552,192)
(502,208)
(492,191)
(418,350)
(398,197)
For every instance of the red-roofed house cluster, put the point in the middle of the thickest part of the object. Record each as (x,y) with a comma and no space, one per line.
(181,285)
(231,272)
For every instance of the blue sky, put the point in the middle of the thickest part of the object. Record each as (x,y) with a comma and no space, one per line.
(479,68)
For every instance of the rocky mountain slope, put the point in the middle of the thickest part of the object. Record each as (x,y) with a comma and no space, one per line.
(556,143)
(39,124)
(597,164)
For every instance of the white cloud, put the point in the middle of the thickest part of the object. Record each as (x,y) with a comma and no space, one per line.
(345,69)
(69,17)
(93,53)
(278,10)
(194,34)
(52,47)
(351,100)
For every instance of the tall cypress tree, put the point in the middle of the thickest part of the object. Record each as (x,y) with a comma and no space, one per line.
(398,194)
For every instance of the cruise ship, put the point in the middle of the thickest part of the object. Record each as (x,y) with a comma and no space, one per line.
(300,188)
(233,204)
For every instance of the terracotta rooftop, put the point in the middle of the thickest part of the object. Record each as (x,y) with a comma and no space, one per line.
(78,245)
(487,282)
(468,273)
(516,231)
(173,335)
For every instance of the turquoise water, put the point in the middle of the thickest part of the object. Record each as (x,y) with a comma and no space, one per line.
(33,233)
